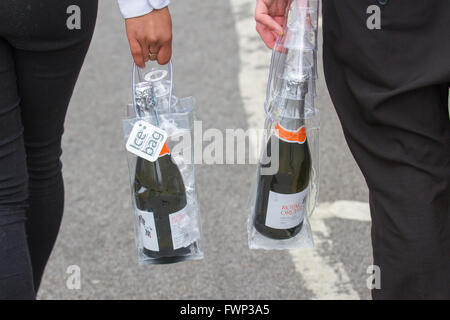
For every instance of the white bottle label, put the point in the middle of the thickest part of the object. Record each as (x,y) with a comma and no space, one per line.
(179,227)
(285,211)
(147,230)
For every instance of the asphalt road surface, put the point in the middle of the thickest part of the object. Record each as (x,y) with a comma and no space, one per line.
(219,59)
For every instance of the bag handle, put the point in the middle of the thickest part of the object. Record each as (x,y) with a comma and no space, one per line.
(138,71)
(269,81)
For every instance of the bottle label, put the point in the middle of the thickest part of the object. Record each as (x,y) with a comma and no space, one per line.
(180,227)
(291,136)
(147,230)
(146,141)
(285,211)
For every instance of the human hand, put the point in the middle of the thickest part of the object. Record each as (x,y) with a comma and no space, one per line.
(269,16)
(150,37)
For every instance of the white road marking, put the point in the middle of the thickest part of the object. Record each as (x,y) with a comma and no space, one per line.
(351,210)
(325,279)
(254,72)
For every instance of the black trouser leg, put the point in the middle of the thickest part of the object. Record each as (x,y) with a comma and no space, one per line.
(43,118)
(44,60)
(16,281)
(390,90)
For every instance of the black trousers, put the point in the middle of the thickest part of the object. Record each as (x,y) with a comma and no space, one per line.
(390,90)
(40,59)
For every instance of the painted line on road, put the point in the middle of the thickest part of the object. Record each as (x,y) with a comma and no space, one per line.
(351,210)
(325,279)
(254,70)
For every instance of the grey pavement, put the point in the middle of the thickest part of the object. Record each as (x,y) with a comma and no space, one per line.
(97,230)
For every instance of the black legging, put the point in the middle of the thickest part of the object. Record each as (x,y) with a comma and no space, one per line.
(40,59)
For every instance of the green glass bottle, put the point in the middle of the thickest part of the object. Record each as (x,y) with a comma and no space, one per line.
(281,197)
(160,197)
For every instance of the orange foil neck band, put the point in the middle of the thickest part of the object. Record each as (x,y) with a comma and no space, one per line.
(298,136)
(165,150)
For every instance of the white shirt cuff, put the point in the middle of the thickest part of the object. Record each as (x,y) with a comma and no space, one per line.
(136,8)
(159,4)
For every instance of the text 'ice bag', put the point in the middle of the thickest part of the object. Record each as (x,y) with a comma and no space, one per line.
(158,136)
(286,188)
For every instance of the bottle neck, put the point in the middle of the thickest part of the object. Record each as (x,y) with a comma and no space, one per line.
(292,117)
(291,126)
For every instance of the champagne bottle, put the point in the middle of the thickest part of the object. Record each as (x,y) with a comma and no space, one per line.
(281,198)
(161,202)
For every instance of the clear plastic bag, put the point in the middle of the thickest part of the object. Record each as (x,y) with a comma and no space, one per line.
(288,226)
(165,208)
(287,179)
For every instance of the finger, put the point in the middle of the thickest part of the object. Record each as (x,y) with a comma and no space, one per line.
(164,54)
(153,51)
(145,51)
(280,20)
(262,16)
(269,23)
(136,52)
(267,36)
(261,8)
